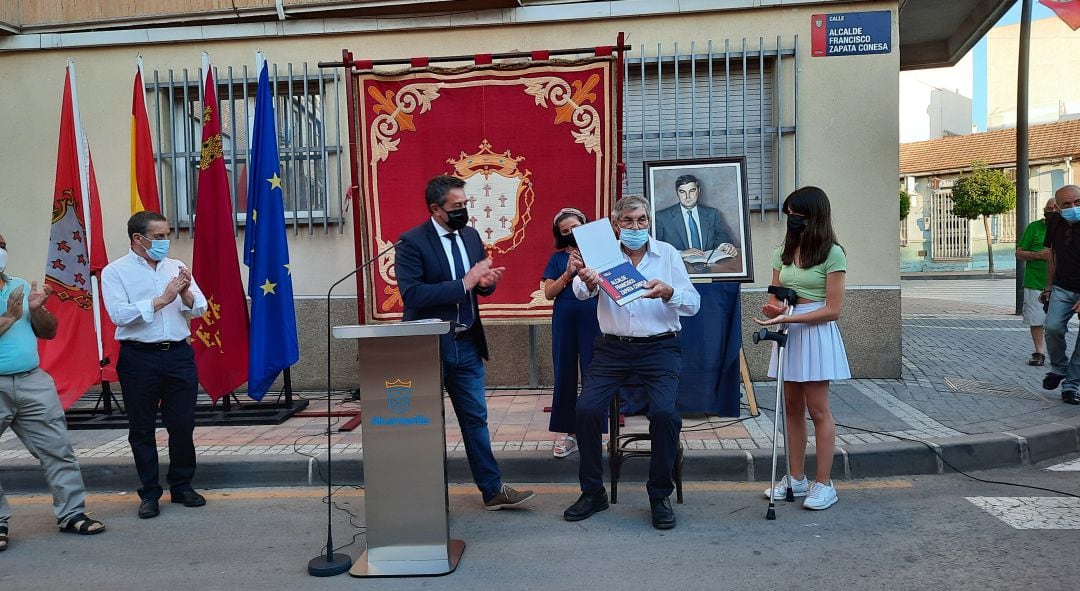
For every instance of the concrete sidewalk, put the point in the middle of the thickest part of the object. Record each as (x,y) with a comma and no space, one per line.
(965,390)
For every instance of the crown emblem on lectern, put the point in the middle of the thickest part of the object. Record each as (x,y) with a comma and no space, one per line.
(398,395)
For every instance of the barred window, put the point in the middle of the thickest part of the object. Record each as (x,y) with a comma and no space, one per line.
(308,109)
(723,99)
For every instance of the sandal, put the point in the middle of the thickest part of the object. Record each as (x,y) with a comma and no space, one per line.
(3,537)
(1037,360)
(83,525)
(565,447)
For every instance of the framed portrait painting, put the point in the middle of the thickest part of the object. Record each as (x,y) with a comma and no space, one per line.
(701,208)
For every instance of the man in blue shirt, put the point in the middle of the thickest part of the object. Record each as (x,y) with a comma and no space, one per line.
(30,405)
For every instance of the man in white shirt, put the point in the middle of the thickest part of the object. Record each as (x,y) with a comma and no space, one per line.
(640,339)
(152,299)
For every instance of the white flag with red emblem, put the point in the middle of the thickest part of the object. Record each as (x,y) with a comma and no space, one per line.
(84,351)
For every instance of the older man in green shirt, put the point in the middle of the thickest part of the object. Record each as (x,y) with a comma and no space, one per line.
(1031,250)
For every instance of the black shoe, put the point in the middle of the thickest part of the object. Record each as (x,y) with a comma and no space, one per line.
(586,505)
(1071,397)
(148,508)
(189,498)
(1052,381)
(663,516)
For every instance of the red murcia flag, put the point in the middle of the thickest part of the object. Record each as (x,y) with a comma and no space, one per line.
(85,350)
(1067,10)
(220,337)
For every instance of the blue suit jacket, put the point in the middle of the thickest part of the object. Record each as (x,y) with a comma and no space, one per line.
(427,286)
(671,229)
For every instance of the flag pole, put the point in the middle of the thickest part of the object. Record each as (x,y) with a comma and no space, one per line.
(84,188)
(1022,188)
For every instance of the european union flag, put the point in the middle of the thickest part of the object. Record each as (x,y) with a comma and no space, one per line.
(274,345)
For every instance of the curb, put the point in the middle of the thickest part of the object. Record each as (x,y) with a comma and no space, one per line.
(874,460)
(931,276)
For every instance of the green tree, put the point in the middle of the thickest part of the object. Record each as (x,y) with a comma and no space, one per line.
(905,203)
(984,192)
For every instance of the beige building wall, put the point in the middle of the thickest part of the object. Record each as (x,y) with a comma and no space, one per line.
(1054,87)
(847,144)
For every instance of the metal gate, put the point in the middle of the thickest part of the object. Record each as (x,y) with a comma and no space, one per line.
(950,234)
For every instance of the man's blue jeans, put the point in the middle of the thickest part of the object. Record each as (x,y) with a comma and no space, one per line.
(1057,325)
(463,378)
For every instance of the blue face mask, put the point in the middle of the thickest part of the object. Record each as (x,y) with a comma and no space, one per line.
(634,239)
(159,249)
(1071,214)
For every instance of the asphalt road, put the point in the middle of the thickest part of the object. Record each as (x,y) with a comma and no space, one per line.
(894,534)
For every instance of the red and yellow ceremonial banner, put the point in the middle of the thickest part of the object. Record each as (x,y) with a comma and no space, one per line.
(220,336)
(144,193)
(528,139)
(84,352)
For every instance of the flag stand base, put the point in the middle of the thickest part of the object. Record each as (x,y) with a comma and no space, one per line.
(206,415)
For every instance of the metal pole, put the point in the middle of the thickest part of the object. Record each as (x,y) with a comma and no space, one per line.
(1022,191)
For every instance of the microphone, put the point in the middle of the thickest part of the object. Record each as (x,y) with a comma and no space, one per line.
(331,564)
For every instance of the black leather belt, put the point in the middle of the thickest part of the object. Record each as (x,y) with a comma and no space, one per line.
(162,346)
(649,339)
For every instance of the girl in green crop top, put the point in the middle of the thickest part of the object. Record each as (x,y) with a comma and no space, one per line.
(813,264)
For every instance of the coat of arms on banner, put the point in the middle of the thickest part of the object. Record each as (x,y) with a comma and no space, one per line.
(500,200)
(68,270)
(398,395)
(500,196)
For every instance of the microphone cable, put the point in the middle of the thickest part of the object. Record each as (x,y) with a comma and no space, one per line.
(937,453)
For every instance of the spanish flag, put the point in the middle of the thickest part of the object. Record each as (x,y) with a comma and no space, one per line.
(144,193)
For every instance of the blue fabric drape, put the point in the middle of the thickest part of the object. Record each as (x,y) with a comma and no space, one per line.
(710,340)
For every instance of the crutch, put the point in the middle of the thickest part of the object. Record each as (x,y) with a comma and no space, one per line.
(786,296)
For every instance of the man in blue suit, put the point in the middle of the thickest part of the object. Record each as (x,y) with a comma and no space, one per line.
(694,230)
(441,270)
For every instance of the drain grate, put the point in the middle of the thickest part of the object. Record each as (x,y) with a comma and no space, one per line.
(968,386)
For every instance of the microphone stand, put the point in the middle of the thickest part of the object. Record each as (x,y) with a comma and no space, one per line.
(330,563)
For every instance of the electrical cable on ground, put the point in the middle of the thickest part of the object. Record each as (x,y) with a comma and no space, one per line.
(937,453)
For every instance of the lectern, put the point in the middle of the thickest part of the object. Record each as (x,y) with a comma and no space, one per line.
(406,505)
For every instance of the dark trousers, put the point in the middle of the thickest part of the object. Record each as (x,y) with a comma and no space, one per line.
(657,366)
(165,379)
(573,330)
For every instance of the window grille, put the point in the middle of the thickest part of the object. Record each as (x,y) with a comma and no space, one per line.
(308,110)
(719,100)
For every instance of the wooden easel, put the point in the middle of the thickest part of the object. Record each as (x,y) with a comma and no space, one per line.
(744,371)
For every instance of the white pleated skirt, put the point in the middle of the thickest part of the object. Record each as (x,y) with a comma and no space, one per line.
(814,352)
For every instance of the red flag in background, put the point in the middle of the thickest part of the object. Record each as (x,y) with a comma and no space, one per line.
(144,193)
(1067,10)
(74,357)
(220,337)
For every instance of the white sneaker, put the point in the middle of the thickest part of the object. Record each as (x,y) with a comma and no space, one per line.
(821,496)
(799,487)
(564,447)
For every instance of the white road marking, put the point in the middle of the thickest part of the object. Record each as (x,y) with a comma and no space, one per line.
(1073,466)
(1032,512)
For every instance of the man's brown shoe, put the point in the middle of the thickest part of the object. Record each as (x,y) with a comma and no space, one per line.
(508,497)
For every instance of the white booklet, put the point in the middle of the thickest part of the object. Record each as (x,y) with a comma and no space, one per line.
(600,250)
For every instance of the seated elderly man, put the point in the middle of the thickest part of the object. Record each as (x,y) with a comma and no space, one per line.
(640,339)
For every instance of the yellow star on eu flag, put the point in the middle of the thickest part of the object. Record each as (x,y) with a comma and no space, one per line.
(288,268)
(268,288)
(275,181)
